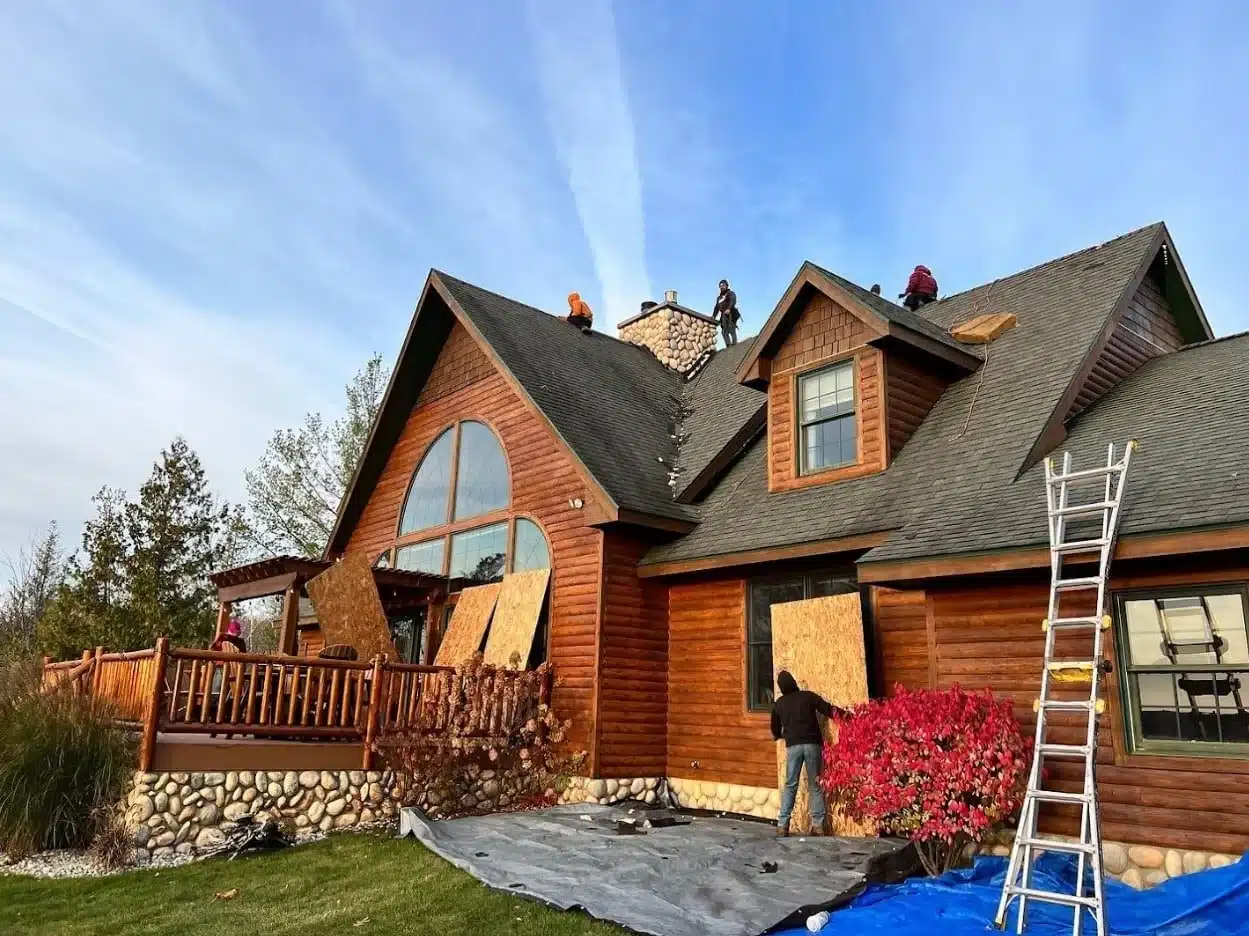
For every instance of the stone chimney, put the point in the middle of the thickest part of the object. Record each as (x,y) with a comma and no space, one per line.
(681,338)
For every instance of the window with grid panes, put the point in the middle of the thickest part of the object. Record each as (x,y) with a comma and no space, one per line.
(827,428)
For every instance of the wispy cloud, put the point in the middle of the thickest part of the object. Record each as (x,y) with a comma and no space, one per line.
(588,114)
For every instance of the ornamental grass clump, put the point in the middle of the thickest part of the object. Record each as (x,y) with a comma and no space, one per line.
(63,764)
(940,767)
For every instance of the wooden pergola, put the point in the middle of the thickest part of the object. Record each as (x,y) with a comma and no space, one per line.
(399,590)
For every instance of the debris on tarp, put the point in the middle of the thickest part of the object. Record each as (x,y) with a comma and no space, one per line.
(686,878)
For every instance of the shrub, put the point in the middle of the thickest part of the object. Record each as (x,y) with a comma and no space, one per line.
(62,763)
(942,768)
(113,845)
(438,766)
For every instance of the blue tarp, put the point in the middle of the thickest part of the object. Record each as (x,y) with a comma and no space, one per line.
(964,902)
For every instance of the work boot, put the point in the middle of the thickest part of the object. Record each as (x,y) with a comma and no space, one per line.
(782,831)
(818,829)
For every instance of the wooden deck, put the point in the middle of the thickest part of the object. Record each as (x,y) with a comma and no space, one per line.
(201,752)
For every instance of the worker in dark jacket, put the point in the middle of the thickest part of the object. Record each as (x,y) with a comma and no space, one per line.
(726,313)
(795,717)
(921,288)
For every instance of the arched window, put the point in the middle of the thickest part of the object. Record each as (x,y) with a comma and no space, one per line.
(530,550)
(426,505)
(454,523)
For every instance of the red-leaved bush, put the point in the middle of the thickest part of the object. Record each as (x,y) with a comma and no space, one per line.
(941,767)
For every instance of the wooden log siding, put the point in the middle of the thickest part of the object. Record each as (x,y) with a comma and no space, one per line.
(1146,331)
(544,482)
(911,390)
(986,634)
(633,665)
(902,638)
(707,717)
(823,333)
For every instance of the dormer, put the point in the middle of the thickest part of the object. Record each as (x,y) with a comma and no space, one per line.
(849,377)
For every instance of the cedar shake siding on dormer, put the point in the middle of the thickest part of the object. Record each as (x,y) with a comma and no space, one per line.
(912,388)
(822,334)
(1147,329)
(464,384)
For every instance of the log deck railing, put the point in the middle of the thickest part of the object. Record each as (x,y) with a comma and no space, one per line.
(246,695)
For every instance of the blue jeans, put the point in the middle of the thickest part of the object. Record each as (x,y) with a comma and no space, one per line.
(812,755)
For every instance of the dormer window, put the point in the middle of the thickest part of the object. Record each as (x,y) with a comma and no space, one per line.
(826,418)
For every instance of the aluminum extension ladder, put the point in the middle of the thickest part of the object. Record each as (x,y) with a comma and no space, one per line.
(1096,524)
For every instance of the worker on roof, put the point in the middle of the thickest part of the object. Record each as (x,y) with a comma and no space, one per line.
(579,313)
(921,288)
(726,313)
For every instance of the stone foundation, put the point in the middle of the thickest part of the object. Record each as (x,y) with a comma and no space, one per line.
(690,794)
(1138,866)
(184,813)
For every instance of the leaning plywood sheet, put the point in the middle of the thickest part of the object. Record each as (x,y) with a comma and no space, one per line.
(820,643)
(468,625)
(516,618)
(349,609)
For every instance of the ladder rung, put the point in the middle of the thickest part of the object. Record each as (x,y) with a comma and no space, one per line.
(1053,796)
(1069,510)
(1088,621)
(1068,705)
(1079,546)
(1064,750)
(1070,900)
(1086,473)
(1068,584)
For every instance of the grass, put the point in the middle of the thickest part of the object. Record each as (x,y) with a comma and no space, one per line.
(327,887)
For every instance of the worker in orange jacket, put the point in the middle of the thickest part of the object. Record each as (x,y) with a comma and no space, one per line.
(579,313)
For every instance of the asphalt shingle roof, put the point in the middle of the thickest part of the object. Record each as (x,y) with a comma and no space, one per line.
(975,439)
(715,406)
(614,403)
(1187,410)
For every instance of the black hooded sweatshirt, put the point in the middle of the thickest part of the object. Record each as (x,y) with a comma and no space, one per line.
(794,714)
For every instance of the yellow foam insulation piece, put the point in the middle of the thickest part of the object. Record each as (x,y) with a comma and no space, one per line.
(820,642)
(983,328)
(516,618)
(1070,672)
(468,625)
(349,609)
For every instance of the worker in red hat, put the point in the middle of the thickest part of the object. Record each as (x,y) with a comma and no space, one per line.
(233,635)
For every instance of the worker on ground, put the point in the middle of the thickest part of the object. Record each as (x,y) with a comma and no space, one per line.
(921,288)
(579,313)
(796,718)
(726,313)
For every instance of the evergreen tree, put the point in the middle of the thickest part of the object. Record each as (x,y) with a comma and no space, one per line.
(143,571)
(35,575)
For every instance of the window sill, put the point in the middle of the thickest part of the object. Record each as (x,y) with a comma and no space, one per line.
(1180,755)
(826,476)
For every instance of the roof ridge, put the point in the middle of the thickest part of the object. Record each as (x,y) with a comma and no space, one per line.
(1202,344)
(534,308)
(1051,262)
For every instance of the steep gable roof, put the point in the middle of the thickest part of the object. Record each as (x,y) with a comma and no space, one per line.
(977,437)
(887,321)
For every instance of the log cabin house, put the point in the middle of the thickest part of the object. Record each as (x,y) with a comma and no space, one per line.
(677,492)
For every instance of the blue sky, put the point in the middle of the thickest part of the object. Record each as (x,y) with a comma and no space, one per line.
(212,213)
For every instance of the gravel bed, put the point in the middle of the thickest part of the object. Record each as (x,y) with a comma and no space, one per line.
(78,863)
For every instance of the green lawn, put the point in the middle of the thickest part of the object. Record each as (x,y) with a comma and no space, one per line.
(328,887)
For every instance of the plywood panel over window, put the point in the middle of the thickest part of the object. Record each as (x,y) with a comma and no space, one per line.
(544,481)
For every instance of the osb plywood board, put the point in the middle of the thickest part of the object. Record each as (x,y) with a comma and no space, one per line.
(516,617)
(468,625)
(983,328)
(820,642)
(349,609)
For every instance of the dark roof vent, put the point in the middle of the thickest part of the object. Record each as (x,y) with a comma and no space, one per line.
(648,304)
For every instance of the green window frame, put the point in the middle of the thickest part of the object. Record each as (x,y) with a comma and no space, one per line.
(1183,669)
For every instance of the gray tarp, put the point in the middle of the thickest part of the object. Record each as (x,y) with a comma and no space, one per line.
(689,880)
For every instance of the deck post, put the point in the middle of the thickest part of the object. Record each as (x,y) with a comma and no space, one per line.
(375,705)
(224,610)
(96,669)
(151,713)
(82,683)
(290,622)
